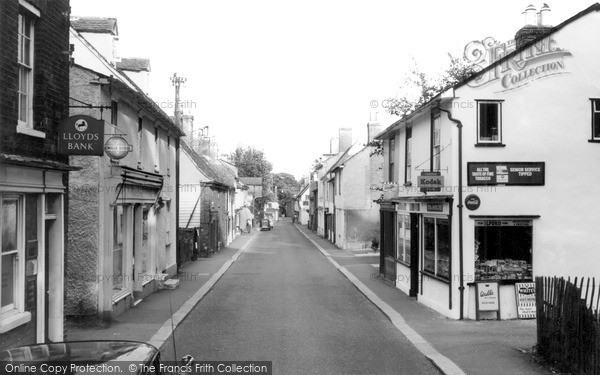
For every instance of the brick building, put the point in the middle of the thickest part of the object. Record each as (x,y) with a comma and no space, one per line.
(34,98)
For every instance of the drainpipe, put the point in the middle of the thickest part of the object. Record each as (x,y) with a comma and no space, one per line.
(461,288)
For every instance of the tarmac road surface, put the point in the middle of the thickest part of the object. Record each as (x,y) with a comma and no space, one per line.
(282,301)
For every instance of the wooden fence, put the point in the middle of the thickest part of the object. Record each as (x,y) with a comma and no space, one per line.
(568,324)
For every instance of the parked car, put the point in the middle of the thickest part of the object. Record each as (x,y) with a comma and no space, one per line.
(85,357)
(266,224)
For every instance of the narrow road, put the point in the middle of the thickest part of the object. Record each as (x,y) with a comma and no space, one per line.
(282,301)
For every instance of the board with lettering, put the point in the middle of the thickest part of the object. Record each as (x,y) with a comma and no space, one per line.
(525,294)
(487,298)
(506,173)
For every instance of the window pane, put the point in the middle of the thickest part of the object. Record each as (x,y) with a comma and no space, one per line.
(488,121)
(429,244)
(27,52)
(400,254)
(443,241)
(597,125)
(9,225)
(8,279)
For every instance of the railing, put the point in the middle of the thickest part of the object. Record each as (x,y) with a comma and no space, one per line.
(568,324)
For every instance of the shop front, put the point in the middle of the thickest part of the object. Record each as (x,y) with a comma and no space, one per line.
(32,249)
(503,248)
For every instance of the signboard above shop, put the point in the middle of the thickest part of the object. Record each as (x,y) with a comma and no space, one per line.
(430,181)
(506,173)
(81,135)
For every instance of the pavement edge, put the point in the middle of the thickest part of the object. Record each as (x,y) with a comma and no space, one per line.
(443,363)
(165,331)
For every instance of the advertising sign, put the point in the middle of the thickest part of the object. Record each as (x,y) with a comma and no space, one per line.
(117,147)
(472,202)
(487,297)
(525,294)
(430,181)
(81,135)
(506,173)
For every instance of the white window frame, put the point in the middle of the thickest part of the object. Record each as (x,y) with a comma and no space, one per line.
(436,255)
(119,236)
(437,149)
(26,126)
(392,159)
(408,156)
(15,315)
(399,219)
(498,103)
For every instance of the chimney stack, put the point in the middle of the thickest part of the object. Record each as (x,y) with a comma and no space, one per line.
(536,25)
(345,139)
(373,128)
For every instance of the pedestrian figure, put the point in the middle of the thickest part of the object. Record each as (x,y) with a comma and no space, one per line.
(248,225)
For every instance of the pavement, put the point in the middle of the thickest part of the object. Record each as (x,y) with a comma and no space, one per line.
(454,347)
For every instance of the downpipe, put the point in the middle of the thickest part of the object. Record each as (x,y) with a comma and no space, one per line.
(461,287)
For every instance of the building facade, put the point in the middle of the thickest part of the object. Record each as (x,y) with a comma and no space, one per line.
(484,191)
(124,203)
(34,99)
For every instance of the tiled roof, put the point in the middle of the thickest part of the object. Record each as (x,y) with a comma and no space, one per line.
(95,24)
(211,168)
(134,64)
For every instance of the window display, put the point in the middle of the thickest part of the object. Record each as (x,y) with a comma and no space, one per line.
(436,245)
(503,249)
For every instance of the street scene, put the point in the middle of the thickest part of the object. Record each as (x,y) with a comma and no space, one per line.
(299,188)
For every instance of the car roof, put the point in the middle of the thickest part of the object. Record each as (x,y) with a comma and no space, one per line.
(82,351)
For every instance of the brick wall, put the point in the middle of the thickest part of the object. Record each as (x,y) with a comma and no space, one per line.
(51,78)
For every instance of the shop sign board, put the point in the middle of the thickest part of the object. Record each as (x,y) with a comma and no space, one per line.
(487,298)
(525,294)
(506,173)
(81,135)
(435,207)
(430,181)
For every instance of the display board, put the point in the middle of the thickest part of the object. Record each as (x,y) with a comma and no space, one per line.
(525,294)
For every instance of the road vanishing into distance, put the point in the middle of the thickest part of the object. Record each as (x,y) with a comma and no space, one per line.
(283,301)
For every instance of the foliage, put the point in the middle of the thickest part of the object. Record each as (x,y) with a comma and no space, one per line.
(251,162)
(287,187)
(378,147)
(417,88)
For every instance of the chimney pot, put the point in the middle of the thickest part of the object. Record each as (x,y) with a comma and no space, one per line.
(530,15)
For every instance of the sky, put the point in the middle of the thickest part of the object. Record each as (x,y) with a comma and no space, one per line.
(284,76)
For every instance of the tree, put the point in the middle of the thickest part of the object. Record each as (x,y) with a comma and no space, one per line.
(287,188)
(418,88)
(251,162)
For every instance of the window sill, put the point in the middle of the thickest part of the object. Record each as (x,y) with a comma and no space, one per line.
(501,281)
(408,184)
(498,144)
(24,129)
(436,277)
(120,295)
(594,140)
(13,319)
(402,262)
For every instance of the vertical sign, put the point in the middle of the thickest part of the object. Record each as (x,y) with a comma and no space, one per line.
(525,294)
(487,298)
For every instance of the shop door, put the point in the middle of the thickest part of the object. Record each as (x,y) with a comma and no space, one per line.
(414,255)
(388,247)
(213,232)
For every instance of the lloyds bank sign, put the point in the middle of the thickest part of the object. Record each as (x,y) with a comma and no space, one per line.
(540,60)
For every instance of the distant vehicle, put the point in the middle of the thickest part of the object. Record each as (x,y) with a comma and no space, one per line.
(266,224)
(86,357)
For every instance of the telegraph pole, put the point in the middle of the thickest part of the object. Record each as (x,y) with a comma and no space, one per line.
(177,81)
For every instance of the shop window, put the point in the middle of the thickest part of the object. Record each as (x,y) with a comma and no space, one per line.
(436,246)
(489,120)
(12,258)
(118,249)
(404,239)
(114,112)
(596,119)
(503,249)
